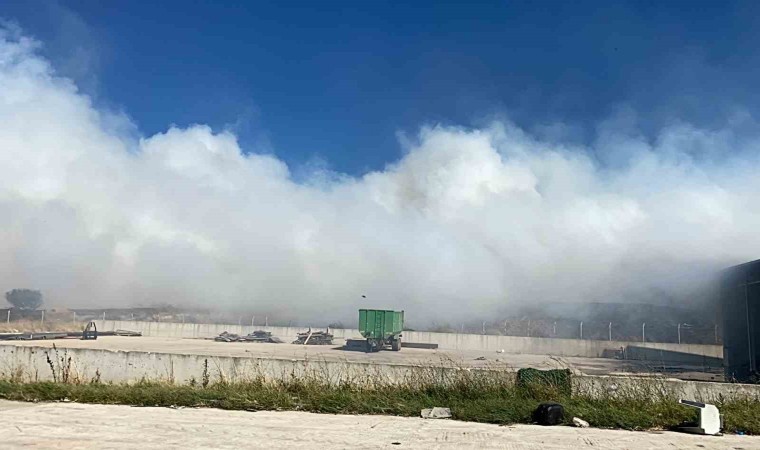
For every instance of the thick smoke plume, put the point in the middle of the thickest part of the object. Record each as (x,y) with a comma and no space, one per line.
(470,222)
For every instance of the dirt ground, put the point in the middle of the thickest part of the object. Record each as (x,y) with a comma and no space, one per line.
(79,426)
(459,358)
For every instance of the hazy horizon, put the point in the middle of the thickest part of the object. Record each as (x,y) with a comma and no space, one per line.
(471,220)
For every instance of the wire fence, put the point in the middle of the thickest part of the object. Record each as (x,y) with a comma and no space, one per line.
(652,331)
(681,333)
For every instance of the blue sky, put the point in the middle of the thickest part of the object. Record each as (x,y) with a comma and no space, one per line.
(614,140)
(337,81)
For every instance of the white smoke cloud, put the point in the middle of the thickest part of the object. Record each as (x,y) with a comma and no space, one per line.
(470,222)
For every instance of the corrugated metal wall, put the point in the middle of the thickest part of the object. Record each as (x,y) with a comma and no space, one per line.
(740,305)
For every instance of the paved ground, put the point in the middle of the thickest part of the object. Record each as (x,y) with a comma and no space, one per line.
(78,426)
(461,358)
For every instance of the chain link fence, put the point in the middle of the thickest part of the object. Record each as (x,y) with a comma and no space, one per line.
(682,333)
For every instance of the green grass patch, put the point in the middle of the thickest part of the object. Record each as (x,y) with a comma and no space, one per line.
(488,402)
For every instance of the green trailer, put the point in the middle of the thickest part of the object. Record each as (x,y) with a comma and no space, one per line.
(381,327)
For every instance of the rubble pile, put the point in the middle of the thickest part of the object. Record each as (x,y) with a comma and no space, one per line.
(256,336)
(315,338)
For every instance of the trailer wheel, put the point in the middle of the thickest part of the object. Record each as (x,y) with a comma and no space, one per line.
(396,344)
(373,345)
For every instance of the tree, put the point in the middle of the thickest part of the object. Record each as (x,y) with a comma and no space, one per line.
(26,299)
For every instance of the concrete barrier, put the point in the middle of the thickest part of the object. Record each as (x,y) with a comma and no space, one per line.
(456,341)
(658,388)
(25,363)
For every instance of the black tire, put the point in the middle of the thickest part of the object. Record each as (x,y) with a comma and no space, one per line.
(396,344)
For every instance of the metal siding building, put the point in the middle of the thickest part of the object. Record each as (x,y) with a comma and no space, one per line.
(740,308)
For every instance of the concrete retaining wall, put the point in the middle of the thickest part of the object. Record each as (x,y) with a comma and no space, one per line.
(510,344)
(642,388)
(638,353)
(24,363)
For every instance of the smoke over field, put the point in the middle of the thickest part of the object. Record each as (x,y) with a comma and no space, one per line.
(469,222)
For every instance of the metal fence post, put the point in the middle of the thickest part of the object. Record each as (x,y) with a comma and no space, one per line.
(266,321)
(529,328)
(610,330)
(679,333)
(252,319)
(9,316)
(554,329)
(42,319)
(643,332)
(581,330)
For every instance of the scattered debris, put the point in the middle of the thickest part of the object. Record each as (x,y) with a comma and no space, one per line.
(500,351)
(549,414)
(580,423)
(31,336)
(10,336)
(422,345)
(710,421)
(256,336)
(314,338)
(127,333)
(480,358)
(89,333)
(436,413)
